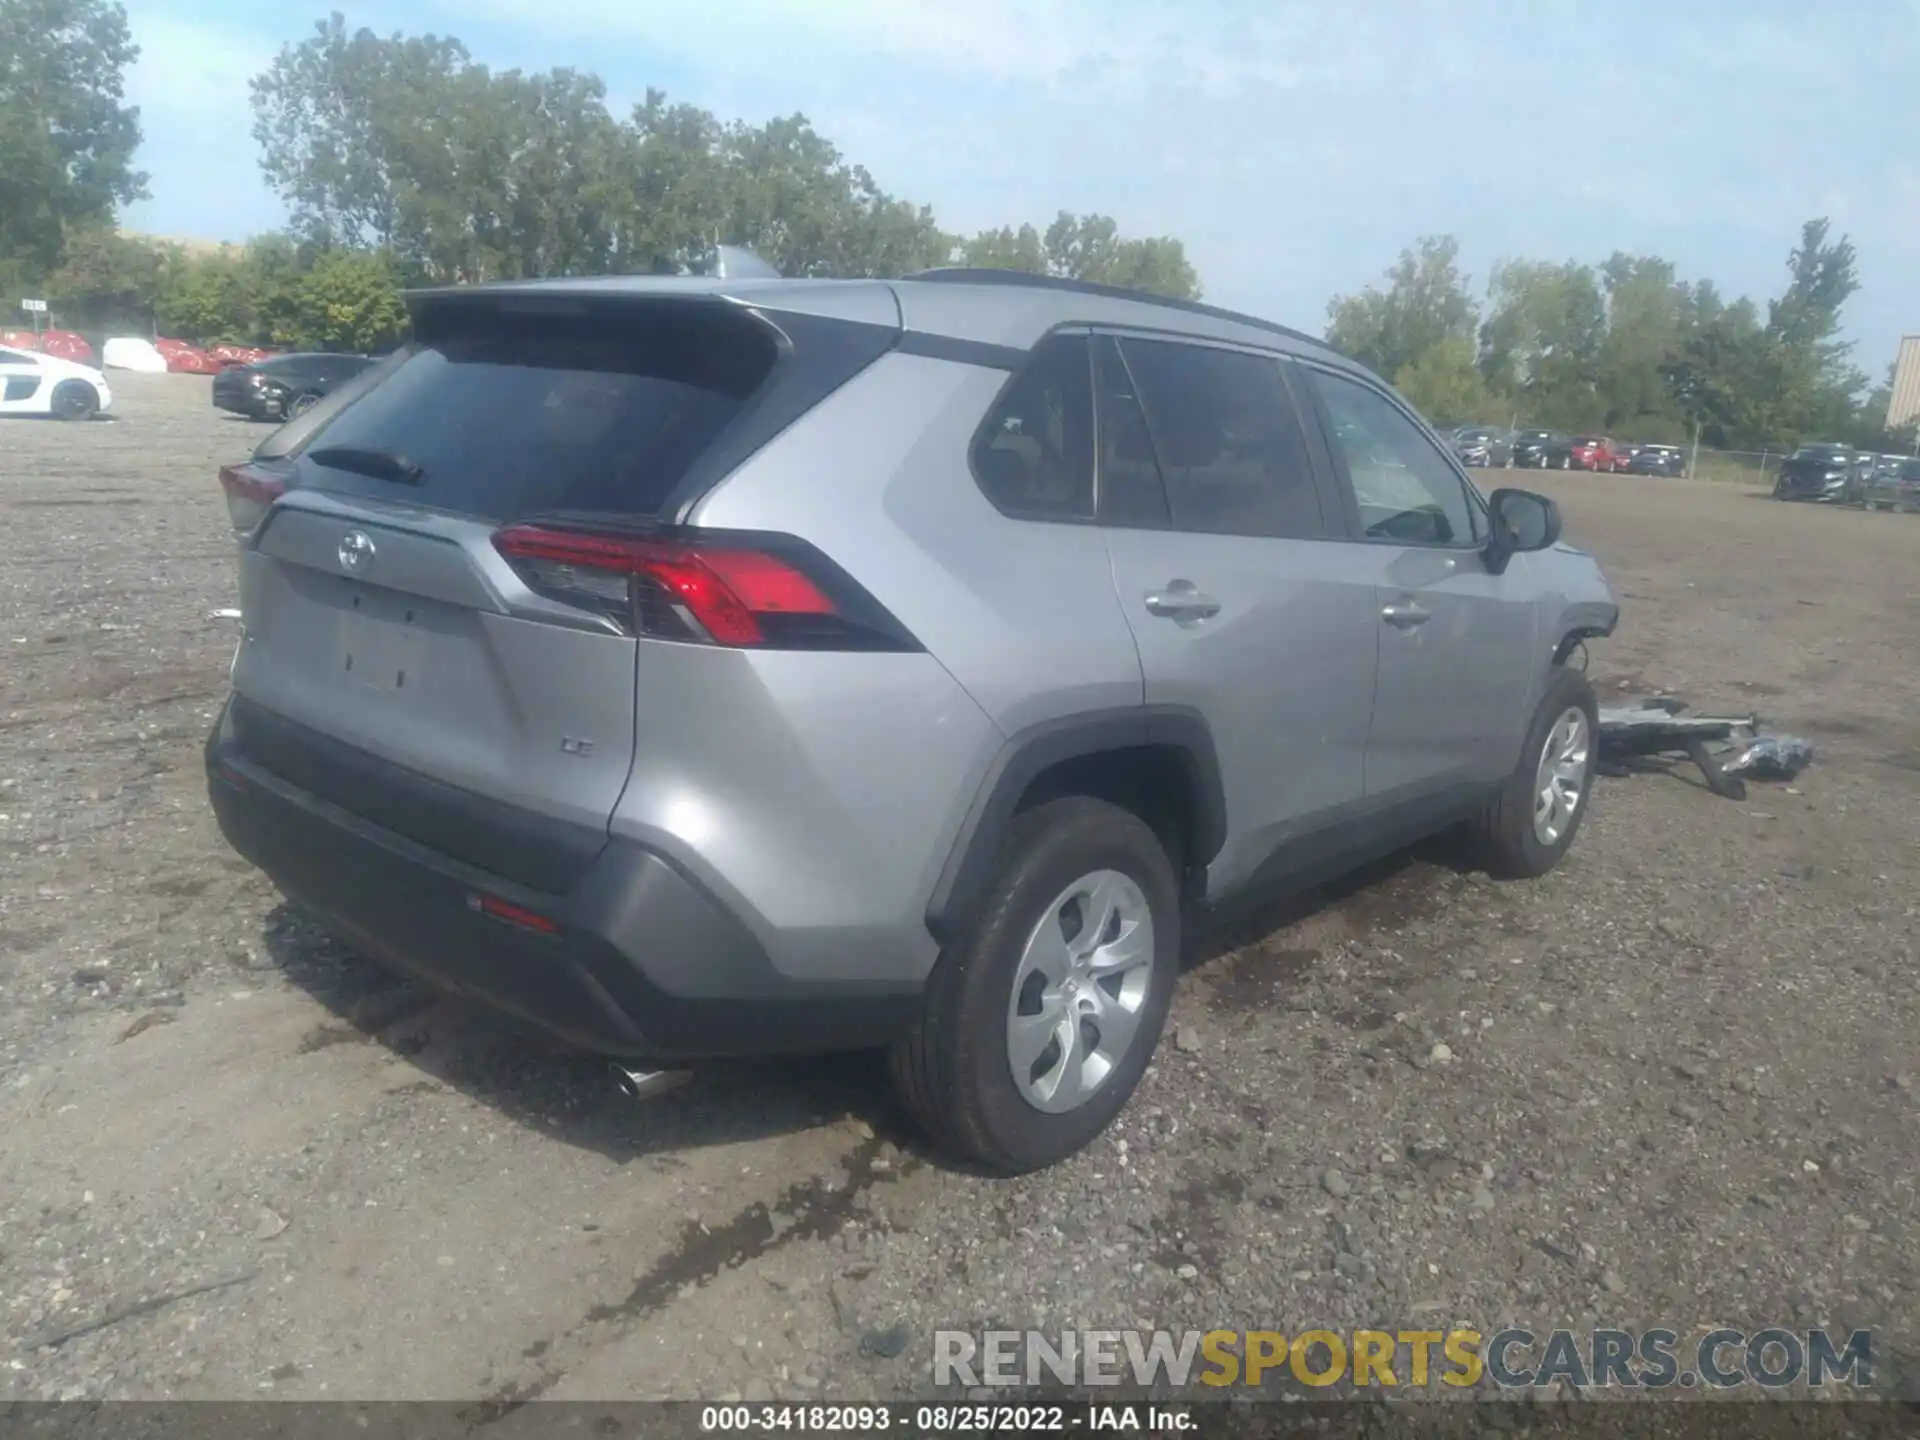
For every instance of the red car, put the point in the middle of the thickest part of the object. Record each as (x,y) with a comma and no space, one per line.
(65,345)
(230,356)
(1594,452)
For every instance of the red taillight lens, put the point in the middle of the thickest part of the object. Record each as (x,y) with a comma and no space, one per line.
(498,909)
(716,592)
(250,494)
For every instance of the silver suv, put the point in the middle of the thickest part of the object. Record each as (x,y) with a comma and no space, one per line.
(701,668)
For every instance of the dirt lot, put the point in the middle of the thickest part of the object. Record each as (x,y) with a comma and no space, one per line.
(1681,1089)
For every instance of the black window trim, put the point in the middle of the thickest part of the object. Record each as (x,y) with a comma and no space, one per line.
(1349,504)
(1331,514)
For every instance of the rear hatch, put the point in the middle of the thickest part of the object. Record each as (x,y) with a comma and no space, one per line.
(402,663)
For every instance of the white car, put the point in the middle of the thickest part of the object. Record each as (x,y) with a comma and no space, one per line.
(35,384)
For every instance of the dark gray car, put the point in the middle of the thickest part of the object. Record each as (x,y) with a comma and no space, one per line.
(1483,447)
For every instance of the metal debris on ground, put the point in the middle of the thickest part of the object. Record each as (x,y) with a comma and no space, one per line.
(1659,728)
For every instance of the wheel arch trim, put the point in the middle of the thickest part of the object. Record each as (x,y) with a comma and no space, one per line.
(968,870)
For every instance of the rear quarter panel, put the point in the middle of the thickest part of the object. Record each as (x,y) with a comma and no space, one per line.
(859,770)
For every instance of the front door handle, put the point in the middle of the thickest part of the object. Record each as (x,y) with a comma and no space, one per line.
(1180,600)
(1405,615)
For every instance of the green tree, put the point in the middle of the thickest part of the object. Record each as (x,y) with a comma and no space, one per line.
(332,116)
(1006,249)
(795,199)
(348,300)
(1643,304)
(1091,247)
(1086,247)
(1445,384)
(1819,386)
(108,281)
(67,140)
(1541,341)
(1425,304)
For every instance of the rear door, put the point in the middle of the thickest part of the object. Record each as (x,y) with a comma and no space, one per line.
(394,663)
(20,377)
(1242,605)
(1457,646)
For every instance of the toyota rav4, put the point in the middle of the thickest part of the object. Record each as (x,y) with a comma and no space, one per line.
(700,668)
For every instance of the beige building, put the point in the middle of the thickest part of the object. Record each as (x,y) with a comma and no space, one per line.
(1904,408)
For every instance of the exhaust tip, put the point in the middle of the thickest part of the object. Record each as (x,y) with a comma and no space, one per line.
(644,1084)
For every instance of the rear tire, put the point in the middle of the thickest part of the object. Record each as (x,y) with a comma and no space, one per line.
(75,400)
(1511,837)
(1067,860)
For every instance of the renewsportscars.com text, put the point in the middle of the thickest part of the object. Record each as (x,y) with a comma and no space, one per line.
(1653,1359)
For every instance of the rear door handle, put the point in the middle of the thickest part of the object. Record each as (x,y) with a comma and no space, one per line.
(1181,601)
(1405,615)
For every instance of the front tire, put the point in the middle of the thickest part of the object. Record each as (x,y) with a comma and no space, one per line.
(1531,823)
(1040,1020)
(302,403)
(75,400)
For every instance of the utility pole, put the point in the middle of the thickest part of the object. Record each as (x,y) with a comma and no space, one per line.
(1693,464)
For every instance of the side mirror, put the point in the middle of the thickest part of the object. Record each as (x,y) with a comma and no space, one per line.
(1522,521)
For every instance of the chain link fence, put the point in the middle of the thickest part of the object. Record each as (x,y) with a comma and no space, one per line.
(1736,467)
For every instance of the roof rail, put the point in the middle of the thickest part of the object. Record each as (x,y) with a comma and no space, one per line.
(980,275)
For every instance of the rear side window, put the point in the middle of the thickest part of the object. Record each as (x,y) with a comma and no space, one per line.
(504,415)
(1230,445)
(1034,455)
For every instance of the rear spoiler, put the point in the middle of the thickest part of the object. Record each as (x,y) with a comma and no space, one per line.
(731,262)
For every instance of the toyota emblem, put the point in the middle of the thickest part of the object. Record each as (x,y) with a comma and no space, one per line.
(356,548)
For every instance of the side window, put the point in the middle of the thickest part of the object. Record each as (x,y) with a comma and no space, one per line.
(1131,492)
(1230,447)
(1034,455)
(1405,488)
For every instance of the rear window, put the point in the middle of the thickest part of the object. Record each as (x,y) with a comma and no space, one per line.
(507,414)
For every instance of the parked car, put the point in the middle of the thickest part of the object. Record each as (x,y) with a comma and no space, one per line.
(1895,484)
(32,383)
(1483,446)
(1585,452)
(67,345)
(1657,460)
(229,356)
(185,358)
(1533,448)
(1823,471)
(285,386)
(643,665)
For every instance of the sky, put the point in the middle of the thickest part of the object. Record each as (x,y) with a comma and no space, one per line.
(1295,148)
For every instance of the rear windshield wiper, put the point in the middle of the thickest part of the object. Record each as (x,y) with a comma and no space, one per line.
(364,460)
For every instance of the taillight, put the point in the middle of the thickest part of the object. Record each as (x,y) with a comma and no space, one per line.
(708,589)
(250,494)
(506,910)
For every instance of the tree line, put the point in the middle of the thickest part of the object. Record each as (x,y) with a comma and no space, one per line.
(1625,348)
(403,161)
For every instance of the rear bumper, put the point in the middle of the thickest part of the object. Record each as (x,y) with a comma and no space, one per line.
(244,403)
(594,981)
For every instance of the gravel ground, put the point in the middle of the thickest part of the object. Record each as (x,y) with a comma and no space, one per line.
(1677,1082)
